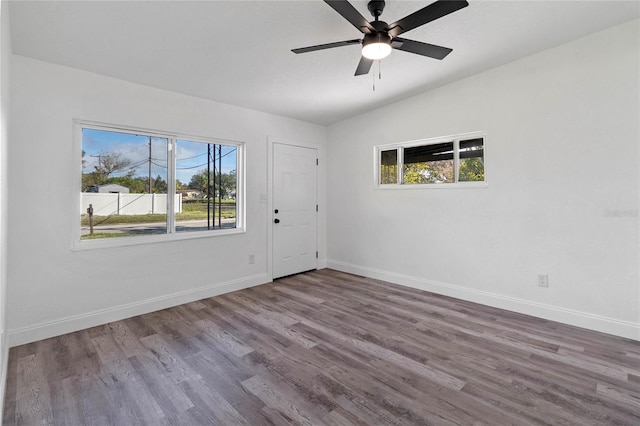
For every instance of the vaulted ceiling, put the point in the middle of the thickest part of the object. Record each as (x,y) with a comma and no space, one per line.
(239,52)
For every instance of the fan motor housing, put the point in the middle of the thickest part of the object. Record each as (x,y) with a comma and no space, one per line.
(377,37)
(376,7)
(379,26)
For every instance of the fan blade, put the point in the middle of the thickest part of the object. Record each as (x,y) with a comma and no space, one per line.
(348,12)
(364,66)
(326,46)
(427,14)
(420,48)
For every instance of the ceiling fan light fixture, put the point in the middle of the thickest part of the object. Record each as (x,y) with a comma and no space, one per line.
(378,35)
(376,46)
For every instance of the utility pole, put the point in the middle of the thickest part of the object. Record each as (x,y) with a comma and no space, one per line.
(99,157)
(150,181)
(99,168)
(219,186)
(209,188)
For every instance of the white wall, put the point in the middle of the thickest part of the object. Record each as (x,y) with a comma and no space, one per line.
(5,60)
(562,157)
(55,290)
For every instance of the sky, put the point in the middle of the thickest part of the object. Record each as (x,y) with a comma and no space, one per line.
(191,157)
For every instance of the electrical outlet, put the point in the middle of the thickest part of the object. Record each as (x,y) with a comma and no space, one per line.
(252,259)
(543,280)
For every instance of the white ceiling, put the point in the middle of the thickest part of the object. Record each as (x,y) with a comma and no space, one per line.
(238,52)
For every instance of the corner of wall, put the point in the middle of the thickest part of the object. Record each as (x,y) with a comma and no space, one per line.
(5,58)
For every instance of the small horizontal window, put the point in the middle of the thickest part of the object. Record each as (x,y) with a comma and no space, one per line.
(439,161)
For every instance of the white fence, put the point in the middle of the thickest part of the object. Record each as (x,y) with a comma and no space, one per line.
(127,204)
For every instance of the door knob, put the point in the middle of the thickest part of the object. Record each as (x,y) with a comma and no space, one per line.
(276,221)
(276,211)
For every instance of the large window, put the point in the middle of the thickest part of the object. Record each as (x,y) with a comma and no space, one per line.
(454,160)
(137,183)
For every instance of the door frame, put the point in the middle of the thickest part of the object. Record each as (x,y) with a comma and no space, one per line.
(320,190)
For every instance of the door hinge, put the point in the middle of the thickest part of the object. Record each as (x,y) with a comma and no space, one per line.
(317,162)
(316,254)
(316,207)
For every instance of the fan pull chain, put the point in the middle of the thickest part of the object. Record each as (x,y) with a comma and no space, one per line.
(373,75)
(379,74)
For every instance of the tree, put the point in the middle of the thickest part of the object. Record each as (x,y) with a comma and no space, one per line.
(388,173)
(136,185)
(221,185)
(110,163)
(90,179)
(429,172)
(228,184)
(160,186)
(471,169)
(199,181)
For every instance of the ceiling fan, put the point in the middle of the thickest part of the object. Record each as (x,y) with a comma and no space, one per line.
(380,37)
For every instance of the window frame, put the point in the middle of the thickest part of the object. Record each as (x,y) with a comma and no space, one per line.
(400,146)
(171,234)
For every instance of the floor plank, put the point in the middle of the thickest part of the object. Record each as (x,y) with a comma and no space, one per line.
(326,347)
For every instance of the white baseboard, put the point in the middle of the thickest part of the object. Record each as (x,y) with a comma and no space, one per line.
(70,324)
(586,320)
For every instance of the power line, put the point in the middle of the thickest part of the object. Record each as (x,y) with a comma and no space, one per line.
(204,164)
(189,158)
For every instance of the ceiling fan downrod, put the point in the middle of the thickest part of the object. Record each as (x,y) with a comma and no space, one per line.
(376,7)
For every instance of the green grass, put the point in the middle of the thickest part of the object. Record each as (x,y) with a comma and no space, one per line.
(100,235)
(201,205)
(198,214)
(150,218)
(138,218)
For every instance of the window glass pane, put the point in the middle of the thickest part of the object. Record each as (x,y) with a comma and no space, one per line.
(389,166)
(124,184)
(206,184)
(428,164)
(471,160)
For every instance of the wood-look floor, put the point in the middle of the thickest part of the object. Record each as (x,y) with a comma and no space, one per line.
(327,348)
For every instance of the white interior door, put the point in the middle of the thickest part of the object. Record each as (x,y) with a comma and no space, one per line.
(294,214)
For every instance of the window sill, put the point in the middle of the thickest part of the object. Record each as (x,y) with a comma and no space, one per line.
(459,185)
(150,239)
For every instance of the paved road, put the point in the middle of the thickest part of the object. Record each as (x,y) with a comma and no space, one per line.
(155,227)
